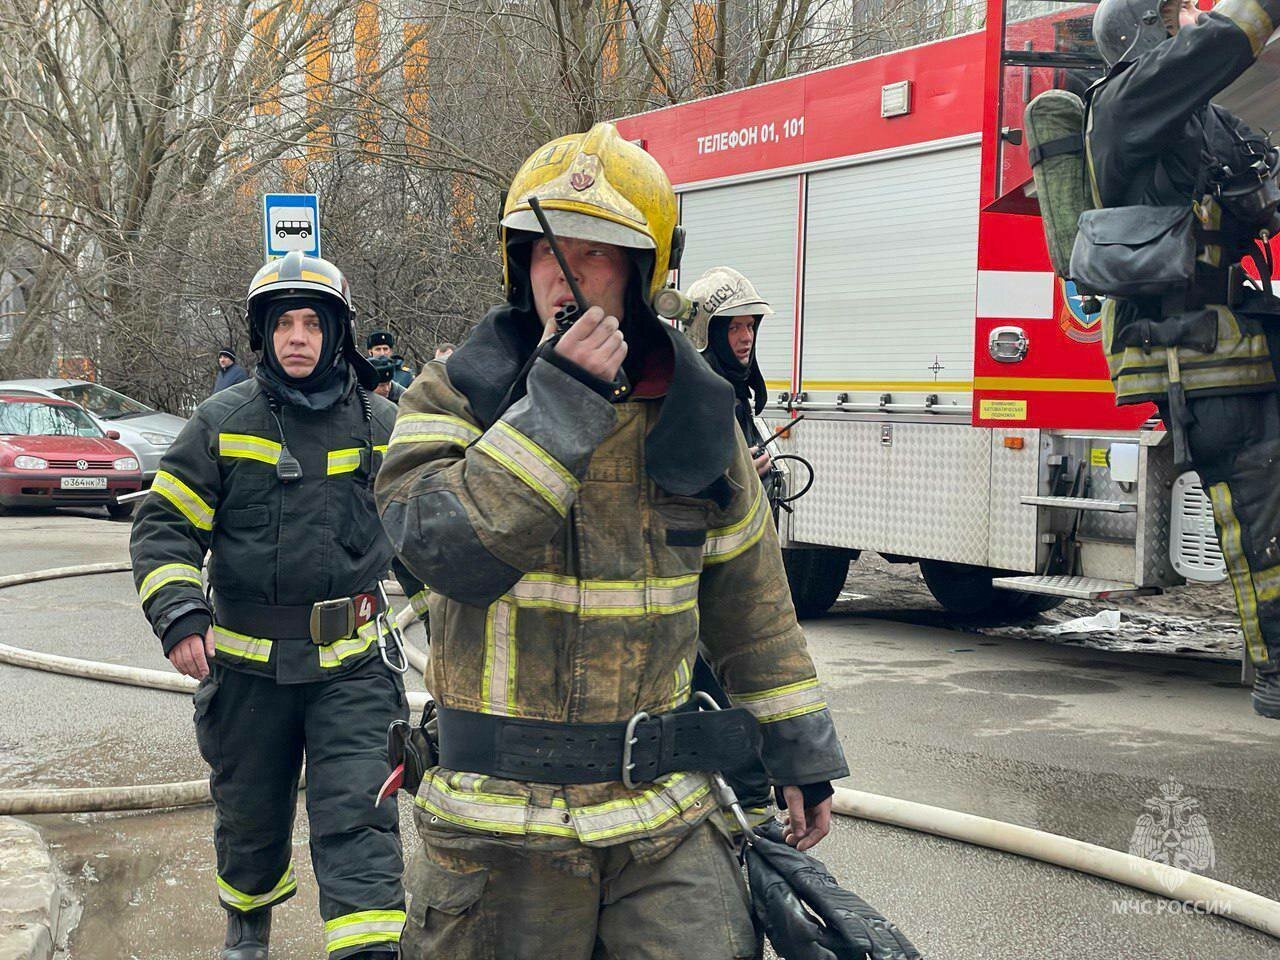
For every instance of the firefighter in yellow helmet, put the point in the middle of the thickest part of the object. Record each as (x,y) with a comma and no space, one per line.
(579,534)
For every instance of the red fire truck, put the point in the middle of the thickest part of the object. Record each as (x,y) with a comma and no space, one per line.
(957,407)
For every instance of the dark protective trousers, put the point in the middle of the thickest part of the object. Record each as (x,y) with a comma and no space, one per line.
(1235,446)
(254,734)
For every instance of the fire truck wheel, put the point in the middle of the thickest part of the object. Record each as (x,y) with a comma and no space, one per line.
(967,591)
(1029,604)
(816,576)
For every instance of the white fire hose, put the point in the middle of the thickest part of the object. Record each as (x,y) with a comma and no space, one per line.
(1207,894)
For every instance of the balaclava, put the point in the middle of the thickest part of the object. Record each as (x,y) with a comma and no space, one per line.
(321,388)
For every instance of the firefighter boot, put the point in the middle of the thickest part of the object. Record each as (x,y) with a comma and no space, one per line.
(247,935)
(1266,695)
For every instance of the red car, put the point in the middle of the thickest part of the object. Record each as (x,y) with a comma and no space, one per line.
(52,454)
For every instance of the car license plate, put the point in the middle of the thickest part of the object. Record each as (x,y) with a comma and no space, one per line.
(84,483)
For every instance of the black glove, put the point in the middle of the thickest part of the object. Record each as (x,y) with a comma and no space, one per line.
(797,904)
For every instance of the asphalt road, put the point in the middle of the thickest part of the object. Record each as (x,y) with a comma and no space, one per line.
(1056,737)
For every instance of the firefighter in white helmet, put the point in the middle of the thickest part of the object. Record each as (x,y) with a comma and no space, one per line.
(727,323)
(578,542)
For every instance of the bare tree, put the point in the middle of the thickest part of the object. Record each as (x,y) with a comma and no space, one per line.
(137,137)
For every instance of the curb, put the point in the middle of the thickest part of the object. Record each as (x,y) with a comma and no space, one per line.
(30,893)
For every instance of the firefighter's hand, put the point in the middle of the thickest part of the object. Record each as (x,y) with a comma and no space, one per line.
(761,460)
(191,656)
(805,827)
(594,343)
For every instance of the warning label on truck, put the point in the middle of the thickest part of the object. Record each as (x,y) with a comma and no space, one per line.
(1002,410)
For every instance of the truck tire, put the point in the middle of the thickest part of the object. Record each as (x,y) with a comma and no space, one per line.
(816,576)
(967,591)
(1029,604)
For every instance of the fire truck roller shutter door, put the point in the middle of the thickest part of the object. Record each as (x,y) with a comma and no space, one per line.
(889,277)
(765,252)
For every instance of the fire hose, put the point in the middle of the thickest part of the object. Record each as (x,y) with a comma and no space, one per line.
(1212,896)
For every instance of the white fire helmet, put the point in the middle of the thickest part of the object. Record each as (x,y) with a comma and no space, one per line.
(722,292)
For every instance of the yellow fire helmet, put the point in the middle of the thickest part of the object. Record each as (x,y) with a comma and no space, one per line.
(598,186)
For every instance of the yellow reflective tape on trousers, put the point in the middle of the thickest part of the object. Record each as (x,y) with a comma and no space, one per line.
(460,800)
(782,703)
(247,901)
(245,446)
(167,573)
(186,500)
(725,543)
(365,926)
(523,458)
(343,461)
(1238,570)
(606,598)
(1266,583)
(498,680)
(242,646)
(432,428)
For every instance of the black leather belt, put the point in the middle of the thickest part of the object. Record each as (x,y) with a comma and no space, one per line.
(277,621)
(638,751)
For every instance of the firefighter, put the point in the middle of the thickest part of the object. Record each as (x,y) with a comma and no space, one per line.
(1205,353)
(581,508)
(731,310)
(273,478)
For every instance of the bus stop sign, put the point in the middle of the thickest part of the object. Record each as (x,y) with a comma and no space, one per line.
(291,221)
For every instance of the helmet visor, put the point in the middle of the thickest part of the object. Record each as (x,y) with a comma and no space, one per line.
(566,223)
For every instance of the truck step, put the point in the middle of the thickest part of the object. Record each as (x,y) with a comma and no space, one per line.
(1081,588)
(1081,503)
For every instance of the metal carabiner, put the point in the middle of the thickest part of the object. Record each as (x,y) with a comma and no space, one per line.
(725,796)
(387,625)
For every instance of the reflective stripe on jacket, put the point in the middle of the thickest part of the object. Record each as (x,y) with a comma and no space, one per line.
(566,585)
(270,543)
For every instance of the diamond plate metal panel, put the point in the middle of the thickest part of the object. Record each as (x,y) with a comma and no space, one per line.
(1083,588)
(920,495)
(844,507)
(1014,526)
(1110,526)
(935,505)
(1155,516)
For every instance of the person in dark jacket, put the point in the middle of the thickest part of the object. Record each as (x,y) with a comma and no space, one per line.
(229,371)
(381,343)
(729,315)
(1205,352)
(273,478)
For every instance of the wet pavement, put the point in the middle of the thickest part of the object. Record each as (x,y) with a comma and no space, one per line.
(1063,738)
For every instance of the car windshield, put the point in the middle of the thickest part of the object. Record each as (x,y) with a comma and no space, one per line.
(32,418)
(101,401)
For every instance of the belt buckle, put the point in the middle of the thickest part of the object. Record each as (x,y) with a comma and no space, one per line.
(332,620)
(628,743)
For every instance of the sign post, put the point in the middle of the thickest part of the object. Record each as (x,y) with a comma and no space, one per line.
(290,221)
